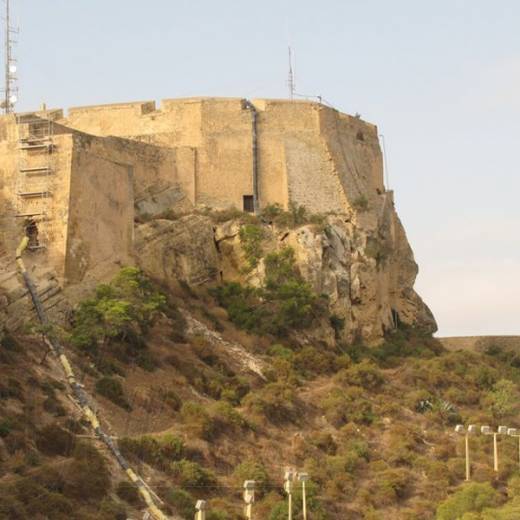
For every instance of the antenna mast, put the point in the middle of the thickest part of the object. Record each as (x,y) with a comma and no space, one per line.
(291,82)
(10,89)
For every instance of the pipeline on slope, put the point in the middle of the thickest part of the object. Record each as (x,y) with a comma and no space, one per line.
(79,394)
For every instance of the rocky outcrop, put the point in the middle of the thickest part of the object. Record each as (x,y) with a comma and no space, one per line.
(364,266)
(178,250)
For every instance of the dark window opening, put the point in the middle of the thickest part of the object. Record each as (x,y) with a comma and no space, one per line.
(395,319)
(31,231)
(360,136)
(249,203)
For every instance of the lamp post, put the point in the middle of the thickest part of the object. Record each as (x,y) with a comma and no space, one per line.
(200,506)
(303,477)
(249,498)
(502,430)
(461,430)
(513,432)
(288,483)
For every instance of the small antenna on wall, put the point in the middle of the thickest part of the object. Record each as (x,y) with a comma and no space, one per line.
(10,89)
(291,81)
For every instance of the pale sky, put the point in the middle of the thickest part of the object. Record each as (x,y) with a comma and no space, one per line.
(440,78)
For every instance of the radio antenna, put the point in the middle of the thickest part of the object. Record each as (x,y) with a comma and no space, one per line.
(10,88)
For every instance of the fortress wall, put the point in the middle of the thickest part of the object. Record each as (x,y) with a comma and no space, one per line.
(294,165)
(116,119)
(307,153)
(353,146)
(55,229)
(225,158)
(100,230)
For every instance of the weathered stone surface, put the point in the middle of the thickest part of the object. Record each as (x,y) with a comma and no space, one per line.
(182,249)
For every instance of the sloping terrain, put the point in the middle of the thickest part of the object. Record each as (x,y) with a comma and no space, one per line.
(201,398)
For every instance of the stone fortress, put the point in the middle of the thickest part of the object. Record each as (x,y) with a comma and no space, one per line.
(88,174)
(77,182)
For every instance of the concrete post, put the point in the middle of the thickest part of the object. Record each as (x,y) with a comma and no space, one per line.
(303,477)
(288,478)
(249,498)
(201,507)
(467,459)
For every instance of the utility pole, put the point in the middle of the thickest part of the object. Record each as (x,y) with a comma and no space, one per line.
(291,82)
(10,89)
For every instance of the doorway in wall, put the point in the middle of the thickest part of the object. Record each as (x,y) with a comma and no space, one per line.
(249,203)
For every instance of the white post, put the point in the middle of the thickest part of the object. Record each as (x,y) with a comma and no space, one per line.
(303,477)
(249,498)
(495,452)
(467,458)
(200,506)
(289,476)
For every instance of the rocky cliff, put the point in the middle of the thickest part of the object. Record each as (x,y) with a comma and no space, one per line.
(366,273)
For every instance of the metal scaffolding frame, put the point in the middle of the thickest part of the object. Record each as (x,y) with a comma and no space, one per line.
(35,174)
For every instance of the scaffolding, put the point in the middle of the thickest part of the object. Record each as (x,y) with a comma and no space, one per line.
(36,170)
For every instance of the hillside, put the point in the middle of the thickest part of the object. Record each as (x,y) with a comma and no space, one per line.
(205,384)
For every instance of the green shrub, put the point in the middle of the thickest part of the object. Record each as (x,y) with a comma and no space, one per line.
(285,302)
(251,237)
(275,401)
(390,486)
(296,216)
(192,475)
(182,501)
(197,420)
(158,451)
(472,497)
(5,428)
(87,476)
(313,362)
(109,510)
(54,440)
(342,406)
(252,470)
(364,374)
(112,389)
(226,417)
(502,399)
(128,492)
(125,307)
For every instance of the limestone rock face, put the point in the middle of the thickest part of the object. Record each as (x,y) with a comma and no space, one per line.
(178,250)
(364,266)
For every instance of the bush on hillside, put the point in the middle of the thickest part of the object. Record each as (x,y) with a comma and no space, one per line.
(123,309)
(112,389)
(473,497)
(159,451)
(192,475)
(296,216)
(251,469)
(285,302)
(87,476)
(198,421)
(276,402)
(251,237)
(54,440)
